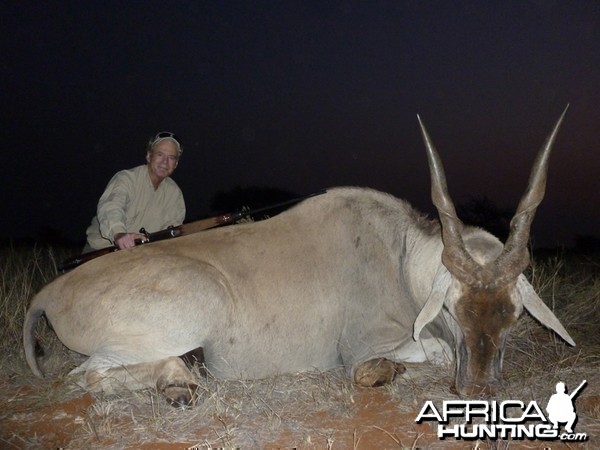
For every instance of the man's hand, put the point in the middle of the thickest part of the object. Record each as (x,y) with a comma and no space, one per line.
(127,240)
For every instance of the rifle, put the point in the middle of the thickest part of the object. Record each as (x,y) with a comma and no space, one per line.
(181,230)
(576,391)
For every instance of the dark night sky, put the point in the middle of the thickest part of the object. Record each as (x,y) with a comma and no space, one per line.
(299,96)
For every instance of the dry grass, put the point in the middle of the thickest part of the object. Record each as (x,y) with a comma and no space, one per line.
(250,413)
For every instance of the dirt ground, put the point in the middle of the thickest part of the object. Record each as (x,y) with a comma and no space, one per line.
(374,422)
(316,410)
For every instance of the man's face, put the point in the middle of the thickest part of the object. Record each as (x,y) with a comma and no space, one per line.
(162,160)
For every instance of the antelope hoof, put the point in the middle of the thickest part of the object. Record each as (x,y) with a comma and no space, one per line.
(180,396)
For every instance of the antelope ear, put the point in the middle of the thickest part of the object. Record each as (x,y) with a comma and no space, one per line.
(434,302)
(538,309)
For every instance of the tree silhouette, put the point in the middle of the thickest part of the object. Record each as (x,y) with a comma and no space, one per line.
(587,243)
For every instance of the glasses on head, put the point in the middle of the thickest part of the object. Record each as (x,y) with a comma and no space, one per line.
(165,135)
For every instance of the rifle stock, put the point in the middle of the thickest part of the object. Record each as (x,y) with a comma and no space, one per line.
(180,230)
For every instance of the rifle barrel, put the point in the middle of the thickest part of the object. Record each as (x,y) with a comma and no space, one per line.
(576,391)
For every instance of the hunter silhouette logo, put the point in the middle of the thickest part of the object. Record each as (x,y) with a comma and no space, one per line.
(560,406)
(508,419)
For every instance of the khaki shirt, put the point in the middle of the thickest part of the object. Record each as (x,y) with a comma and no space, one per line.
(130,202)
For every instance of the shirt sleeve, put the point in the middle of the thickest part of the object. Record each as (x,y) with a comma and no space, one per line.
(113,204)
